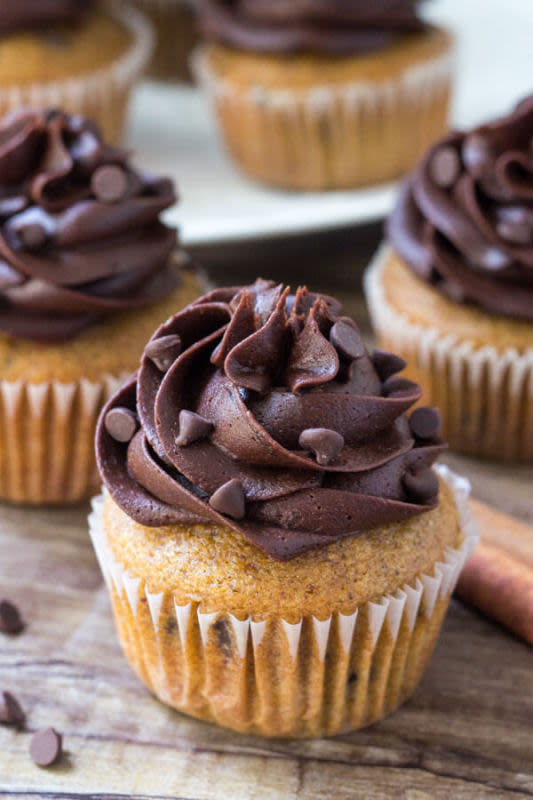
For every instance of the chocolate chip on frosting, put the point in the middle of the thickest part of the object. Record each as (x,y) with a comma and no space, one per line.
(347,340)
(193,428)
(445,166)
(46,747)
(325,443)
(32,236)
(121,424)
(425,423)
(10,619)
(387,364)
(109,183)
(11,712)
(396,387)
(229,499)
(163,351)
(422,485)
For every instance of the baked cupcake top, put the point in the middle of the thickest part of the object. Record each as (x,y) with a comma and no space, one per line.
(334,27)
(262,411)
(80,235)
(464,218)
(18,15)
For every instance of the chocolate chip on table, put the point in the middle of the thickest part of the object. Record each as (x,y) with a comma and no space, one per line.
(422,485)
(425,423)
(445,166)
(193,428)
(163,351)
(326,444)
(11,712)
(10,619)
(387,364)
(109,183)
(46,747)
(229,499)
(121,424)
(347,340)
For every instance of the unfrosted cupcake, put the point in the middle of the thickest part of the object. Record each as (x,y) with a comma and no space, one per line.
(279,551)
(72,54)
(86,272)
(453,289)
(323,95)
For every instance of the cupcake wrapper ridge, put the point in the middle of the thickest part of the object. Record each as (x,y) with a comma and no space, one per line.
(485,396)
(273,677)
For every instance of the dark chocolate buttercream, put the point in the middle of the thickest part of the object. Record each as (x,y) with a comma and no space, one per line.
(19,15)
(341,27)
(80,235)
(464,218)
(273,420)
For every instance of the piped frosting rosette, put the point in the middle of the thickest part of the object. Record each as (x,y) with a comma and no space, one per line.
(80,235)
(262,411)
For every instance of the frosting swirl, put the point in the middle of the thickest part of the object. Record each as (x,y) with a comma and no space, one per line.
(80,235)
(25,14)
(262,411)
(464,218)
(324,26)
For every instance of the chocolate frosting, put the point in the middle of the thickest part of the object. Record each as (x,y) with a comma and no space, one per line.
(18,15)
(335,27)
(80,235)
(273,420)
(464,218)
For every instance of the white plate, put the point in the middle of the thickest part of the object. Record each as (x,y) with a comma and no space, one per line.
(173,133)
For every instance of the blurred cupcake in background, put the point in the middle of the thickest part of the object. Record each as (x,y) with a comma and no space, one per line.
(175,26)
(324,95)
(453,288)
(72,54)
(86,271)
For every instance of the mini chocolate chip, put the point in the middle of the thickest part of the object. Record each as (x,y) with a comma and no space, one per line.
(445,166)
(229,499)
(476,153)
(32,236)
(11,712)
(516,232)
(193,428)
(163,351)
(425,423)
(109,183)
(46,747)
(387,364)
(398,387)
(346,339)
(422,485)
(121,424)
(10,619)
(325,444)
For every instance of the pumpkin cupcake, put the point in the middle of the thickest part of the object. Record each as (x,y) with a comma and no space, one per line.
(86,272)
(453,288)
(279,551)
(323,95)
(74,55)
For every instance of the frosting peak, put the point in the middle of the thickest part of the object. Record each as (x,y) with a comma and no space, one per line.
(80,234)
(464,218)
(269,417)
(25,14)
(342,27)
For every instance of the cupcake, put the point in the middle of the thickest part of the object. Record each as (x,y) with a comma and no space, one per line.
(74,55)
(86,272)
(278,549)
(452,290)
(174,22)
(323,95)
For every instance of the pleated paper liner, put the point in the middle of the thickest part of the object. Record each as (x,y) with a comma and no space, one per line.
(274,678)
(331,137)
(101,94)
(485,396)
(47,439)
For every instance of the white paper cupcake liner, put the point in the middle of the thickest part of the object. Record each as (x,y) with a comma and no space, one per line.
(485,395)
(47,439)
(326,137)
(276,678)
(102,94)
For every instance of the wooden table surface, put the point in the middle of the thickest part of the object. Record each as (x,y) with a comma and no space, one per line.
(466,733)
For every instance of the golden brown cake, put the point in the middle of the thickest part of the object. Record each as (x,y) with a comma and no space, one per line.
(87,271)
(279,551)
(453,290)
(324,99)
